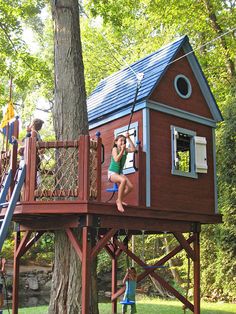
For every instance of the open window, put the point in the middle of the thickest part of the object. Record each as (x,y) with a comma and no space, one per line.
(133,131)
(188,153)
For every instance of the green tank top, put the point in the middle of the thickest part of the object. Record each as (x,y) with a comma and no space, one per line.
(117,167)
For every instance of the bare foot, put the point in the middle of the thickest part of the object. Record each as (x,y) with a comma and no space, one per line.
(119,206)
(123,203)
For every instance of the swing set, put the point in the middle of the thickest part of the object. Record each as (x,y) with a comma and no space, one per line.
(149,269)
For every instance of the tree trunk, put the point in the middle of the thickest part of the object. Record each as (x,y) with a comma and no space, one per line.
(218,30)
(70,111)
(70,121)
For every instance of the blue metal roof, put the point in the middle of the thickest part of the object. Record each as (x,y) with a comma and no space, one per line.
(116,92)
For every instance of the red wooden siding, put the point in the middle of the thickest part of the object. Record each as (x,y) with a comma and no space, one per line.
(107,135)
(165,92)
(177,193)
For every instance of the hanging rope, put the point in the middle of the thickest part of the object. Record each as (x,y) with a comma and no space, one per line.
(139,77)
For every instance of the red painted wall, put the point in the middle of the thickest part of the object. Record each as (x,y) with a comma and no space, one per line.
(107,135)
(171,192)
(165,92)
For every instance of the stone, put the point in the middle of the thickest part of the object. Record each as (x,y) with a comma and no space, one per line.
(32,283)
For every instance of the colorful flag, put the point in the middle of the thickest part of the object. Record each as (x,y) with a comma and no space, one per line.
(8,115)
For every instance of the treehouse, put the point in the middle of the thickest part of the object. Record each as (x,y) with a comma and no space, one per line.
(63,184)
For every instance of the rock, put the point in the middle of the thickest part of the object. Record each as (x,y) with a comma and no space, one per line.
(32,283)
(108,294)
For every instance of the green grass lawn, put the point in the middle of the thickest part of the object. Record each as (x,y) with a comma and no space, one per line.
(152,306)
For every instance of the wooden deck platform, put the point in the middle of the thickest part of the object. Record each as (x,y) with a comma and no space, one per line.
(54,215)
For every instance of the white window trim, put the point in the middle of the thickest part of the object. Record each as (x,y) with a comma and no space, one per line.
(188,83)
(122,129)
(192,134)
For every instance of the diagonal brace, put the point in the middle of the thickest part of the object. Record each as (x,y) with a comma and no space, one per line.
(184,243)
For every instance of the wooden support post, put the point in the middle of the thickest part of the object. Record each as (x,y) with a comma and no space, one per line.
(197,273)
(21,247)
(33,167)
(86,270)
(81,168)
(99,168)
(86,166)
(16,267)
(27,159)
(114,280)
(75,243)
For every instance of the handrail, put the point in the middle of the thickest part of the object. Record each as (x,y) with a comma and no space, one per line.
(58,144)
(68,169)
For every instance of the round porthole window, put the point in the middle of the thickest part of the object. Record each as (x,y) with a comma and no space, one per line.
(183,86)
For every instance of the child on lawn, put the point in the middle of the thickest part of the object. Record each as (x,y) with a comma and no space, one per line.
(130,281)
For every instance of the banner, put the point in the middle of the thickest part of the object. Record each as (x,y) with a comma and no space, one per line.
(8,115)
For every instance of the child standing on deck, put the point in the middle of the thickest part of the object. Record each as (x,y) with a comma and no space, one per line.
(130,281)
(118,159)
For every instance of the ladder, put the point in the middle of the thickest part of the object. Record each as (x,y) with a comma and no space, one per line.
(12,202)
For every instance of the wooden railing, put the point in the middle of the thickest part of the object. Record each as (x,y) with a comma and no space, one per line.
(62,170)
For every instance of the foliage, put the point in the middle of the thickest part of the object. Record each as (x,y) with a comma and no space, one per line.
(118,32)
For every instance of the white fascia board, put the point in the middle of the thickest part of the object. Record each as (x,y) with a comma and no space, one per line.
(117,115)
(199,75)
(180,113)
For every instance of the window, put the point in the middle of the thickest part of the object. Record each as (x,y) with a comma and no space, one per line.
(183,152)
(189,155)
(183,86)
(133,131)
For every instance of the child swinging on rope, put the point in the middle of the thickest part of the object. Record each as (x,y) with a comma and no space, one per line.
(115,175)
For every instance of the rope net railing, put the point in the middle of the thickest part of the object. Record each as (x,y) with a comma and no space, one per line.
(57,171)
(5,158)
(93,164)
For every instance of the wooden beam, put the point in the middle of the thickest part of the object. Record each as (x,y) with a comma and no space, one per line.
(86,270)
(81,167)
(168,287)
(23,243)
(49,223)
(114,282)
(99,168)
(31,242)
(110,250)
(102,242)
(165,284)
(75,243)
(163,260)
(196,266)
(33,166)
(27,159)
(179,236)
(58,144)
(86,166)
(16,267)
